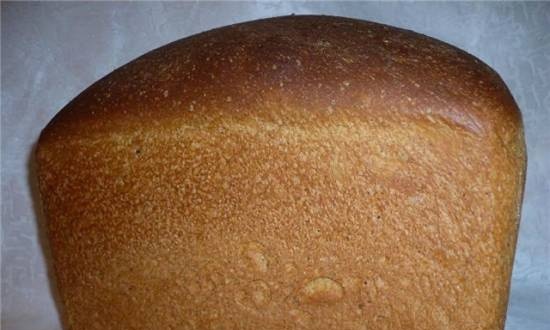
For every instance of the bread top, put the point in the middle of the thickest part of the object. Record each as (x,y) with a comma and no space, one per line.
(292,70)
(296,158)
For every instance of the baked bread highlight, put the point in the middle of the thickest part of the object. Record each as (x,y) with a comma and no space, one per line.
(296,172)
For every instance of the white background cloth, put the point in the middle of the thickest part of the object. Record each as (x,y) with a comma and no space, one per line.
(53,51)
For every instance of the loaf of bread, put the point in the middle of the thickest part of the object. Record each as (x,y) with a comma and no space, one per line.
(300,172)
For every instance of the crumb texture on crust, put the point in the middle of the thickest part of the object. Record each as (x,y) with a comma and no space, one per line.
(290,173)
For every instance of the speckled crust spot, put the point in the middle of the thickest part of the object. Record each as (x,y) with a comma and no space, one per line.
(301,172)
(255,257)
(322,290)
(254,297)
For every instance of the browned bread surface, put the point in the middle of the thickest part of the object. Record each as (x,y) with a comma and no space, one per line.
(297,172)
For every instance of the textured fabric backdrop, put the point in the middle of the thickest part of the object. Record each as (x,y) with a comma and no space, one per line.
(52,51)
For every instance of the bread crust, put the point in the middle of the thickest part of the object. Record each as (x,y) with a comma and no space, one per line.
(296,172)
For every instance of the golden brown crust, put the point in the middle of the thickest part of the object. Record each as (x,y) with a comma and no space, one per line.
(296,172)
(307,62)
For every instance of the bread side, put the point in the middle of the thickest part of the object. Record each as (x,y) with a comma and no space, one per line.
(298,172)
